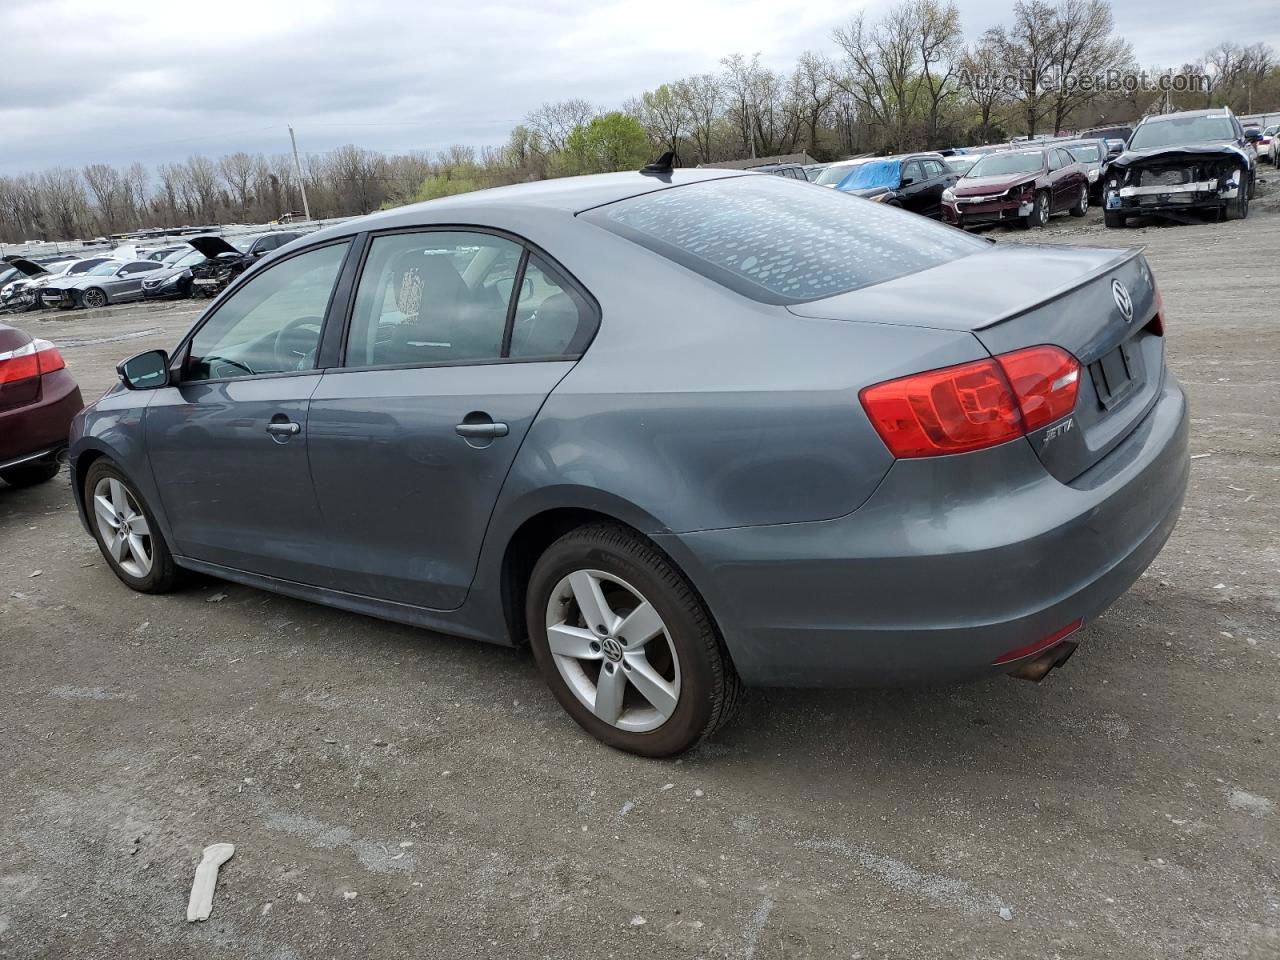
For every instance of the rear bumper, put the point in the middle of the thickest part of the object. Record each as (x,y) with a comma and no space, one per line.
(41,428)
(952,563)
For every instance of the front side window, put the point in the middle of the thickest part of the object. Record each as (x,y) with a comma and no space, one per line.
(913,171)
(778,242)
(433,297)
(270,324)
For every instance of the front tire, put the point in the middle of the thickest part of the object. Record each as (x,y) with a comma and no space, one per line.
(93,298)
(30,474)
(1238,209)
(1082,203)
(126,531)
(626,644)
(1039,215)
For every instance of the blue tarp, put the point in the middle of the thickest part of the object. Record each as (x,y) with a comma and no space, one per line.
(876,173)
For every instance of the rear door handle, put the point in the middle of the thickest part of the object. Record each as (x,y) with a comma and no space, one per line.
(286,429)
(482,429)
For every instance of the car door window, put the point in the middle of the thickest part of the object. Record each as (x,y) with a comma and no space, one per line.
(934,168)
(270,324)
(553,320)
(433,297)
(914,171)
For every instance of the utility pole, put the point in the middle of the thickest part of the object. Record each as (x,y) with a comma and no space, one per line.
(306,209)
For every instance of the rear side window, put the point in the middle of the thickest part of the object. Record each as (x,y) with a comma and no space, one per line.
(779,242)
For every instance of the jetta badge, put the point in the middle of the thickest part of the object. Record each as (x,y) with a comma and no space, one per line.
(1123,300)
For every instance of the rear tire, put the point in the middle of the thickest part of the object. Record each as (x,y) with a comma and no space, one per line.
(30,474)
(600,672)
(137,553)
(1114,218)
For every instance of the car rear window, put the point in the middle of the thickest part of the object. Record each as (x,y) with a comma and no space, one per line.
(779,241)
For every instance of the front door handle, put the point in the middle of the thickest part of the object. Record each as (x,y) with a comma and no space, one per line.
(482,430)
(285,429)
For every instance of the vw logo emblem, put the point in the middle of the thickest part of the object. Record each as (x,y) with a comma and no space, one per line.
(1123,300)
(612,649)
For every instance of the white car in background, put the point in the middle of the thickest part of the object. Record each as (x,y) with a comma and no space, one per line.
(833,173)
(1269,145)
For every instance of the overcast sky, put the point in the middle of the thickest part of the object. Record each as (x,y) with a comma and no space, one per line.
(83,81)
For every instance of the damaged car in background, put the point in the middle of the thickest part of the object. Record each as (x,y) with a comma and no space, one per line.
(25,294)
(1199,160)
(225,260)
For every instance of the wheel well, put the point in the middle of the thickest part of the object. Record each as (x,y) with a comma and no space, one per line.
(81,470)
(527,544)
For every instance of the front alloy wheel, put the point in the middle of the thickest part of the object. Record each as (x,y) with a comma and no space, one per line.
(94,298)
(126,530)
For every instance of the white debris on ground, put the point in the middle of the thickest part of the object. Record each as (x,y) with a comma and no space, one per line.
(201,903)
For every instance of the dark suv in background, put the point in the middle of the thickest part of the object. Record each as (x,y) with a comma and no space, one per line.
(913,181)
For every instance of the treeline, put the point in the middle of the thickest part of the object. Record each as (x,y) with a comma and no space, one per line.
(904,80)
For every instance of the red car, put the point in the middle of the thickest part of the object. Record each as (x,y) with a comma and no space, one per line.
(38,399)
(1025,185)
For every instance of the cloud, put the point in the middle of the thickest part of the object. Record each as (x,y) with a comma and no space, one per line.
(87,81)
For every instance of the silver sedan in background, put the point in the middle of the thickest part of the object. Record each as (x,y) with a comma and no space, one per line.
(112,281)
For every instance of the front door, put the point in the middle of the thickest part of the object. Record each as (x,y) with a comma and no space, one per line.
(456,339)
(227,443)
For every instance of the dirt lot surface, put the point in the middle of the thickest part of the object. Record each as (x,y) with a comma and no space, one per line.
(393,793)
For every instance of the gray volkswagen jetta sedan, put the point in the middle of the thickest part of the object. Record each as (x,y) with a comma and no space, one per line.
(680,432)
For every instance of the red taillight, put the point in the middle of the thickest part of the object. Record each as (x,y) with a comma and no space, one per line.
(973,405)
(1156,325)
(1042,644)
(31,360)
(951,410)
(1045,381)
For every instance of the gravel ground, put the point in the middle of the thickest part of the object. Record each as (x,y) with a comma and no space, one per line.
(393,792)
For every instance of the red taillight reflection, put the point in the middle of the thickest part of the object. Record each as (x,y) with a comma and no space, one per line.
(1042,644)
(973,405)
(1156,325)
(30,360)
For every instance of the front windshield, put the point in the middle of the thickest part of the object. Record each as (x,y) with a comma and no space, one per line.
(874,173)
(1176,131)
(105,269)
(1086,153)
(833,174)
(1004,164)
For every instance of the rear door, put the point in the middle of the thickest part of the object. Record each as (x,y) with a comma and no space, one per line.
(455,340)
(227,442)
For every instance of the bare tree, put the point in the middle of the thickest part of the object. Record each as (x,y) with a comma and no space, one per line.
(879,68)
(553,122)
(980,67)
(665,117)
(237,172)
(202,186)
(1027,50)
(939,42)
(703,98)
(109,192)
(1084,47)
(812,92)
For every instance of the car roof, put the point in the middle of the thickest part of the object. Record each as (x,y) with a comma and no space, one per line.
(570,195)
(1182,114)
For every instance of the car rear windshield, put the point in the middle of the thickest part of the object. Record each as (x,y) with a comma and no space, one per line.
(780,241)
(829,176)
(1175,131)
(1003,164)
(877,173)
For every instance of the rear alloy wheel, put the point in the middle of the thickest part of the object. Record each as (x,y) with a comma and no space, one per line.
(1039,214)
(626,645)
(30,474)
(126,531)
(94,298)
(1082,203)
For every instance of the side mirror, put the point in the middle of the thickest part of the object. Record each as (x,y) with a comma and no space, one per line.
(145,371)
(906,181)
(1253,136)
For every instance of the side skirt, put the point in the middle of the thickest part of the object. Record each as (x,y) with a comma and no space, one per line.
(438,620)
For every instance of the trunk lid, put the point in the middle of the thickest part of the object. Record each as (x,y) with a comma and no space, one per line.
(1023,295)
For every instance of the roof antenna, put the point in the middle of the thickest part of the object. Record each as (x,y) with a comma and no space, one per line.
(664,165)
